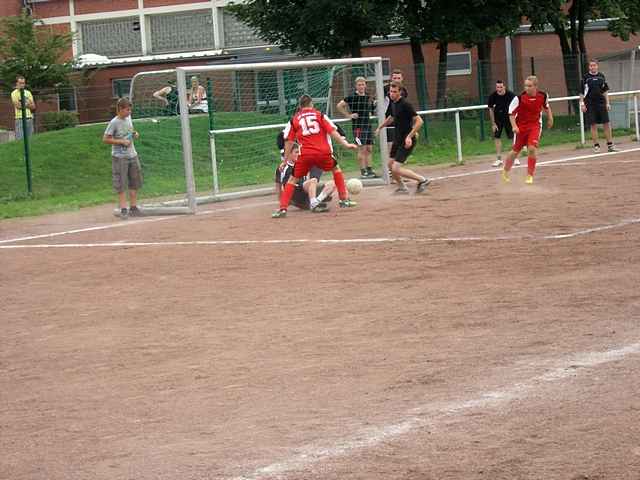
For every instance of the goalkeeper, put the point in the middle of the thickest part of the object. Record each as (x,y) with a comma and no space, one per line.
(308,187)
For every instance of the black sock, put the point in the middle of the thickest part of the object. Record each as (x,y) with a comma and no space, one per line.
(596,144)
(609,143)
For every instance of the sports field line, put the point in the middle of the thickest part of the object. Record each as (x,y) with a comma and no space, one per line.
(324,241)
(208,212)
(429,414)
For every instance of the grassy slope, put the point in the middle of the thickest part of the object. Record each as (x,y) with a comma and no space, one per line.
(71,168)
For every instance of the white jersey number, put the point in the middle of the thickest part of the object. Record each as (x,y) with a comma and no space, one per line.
(309,125)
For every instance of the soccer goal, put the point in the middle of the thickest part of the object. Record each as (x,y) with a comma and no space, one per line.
(215,127)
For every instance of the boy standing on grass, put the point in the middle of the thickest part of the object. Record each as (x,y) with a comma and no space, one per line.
(126,173)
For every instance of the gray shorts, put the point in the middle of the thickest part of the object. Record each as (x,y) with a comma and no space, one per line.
(19,134)
(126,174)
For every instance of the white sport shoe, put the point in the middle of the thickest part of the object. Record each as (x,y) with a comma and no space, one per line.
(516,162)
(497,163)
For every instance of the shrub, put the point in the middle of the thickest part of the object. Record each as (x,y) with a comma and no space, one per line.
(58,120)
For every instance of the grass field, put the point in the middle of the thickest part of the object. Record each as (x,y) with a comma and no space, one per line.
(71,168)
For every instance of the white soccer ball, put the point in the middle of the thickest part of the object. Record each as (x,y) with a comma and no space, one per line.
(354,186)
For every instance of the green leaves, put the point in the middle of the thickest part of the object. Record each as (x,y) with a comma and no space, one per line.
(31,49)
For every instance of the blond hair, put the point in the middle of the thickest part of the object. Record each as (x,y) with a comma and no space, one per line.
(361,79)
(533,79)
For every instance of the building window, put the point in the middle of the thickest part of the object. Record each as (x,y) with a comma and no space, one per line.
(182,32)
(459,63)
(112,38)
(120,87)
(67,99)
(238,34)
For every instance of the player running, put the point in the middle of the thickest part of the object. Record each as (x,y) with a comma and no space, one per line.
(407,123)
(525,114)
(312,131)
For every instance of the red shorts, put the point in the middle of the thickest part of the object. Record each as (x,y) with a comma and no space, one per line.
(304,163)
(529,136)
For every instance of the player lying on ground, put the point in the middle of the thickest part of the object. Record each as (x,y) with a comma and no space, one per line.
(525,114)
(407,122)
(311,130)
(308,188)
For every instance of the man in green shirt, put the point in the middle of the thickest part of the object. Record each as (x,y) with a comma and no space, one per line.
(29,104)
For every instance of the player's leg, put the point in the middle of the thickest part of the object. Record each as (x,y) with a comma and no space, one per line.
(300,169)
(135,184)
(498,144)
(368,143)
(519,141)
(119,179)
(532,157)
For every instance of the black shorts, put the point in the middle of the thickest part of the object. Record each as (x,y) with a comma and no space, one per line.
(596,114)
(363,136)
(503,124)
(398,151)
(301,198)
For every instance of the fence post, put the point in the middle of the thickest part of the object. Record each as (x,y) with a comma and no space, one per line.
(481,97)
(458,137)
(25,139)
(212,140)
(422,96)
(582,137)
(635,108)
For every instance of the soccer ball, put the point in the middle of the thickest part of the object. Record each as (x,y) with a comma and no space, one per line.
(354,186)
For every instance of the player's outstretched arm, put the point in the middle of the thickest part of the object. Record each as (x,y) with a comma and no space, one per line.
(343,108)
(387,121)
(336,136)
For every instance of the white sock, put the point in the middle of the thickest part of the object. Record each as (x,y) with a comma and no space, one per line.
(322,196)
(314,202)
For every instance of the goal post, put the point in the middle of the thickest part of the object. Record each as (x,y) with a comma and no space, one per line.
(251,103)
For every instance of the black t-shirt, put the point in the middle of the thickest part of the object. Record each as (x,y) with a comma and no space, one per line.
(500,104)
(387,100)
(403,114)
(593,88)
(363,106)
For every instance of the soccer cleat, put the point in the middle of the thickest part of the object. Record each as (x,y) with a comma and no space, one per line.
(422,186)
(370,174)
(497,163)
(516,162)
(611,148)
(347,203)
(596,148)
(505,177)
(124,213)
(279,213)
(320,208)
(529,180)
(402,190)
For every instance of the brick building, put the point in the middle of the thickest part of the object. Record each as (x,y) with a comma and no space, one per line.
(143,35)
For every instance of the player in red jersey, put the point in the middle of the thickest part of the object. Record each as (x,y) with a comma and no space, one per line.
(525,114)
(312,130)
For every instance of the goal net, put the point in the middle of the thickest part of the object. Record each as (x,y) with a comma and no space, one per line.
(212,130)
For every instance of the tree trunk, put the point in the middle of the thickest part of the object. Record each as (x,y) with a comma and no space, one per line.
(443,48)
(584,60)
(419,71)
(356,49)
(484,58)
(571,75)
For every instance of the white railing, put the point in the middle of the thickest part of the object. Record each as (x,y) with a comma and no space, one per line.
(457,110)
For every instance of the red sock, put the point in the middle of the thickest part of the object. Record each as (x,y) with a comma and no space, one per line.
(338,177)
(285,196)
(508,163)
(531,165)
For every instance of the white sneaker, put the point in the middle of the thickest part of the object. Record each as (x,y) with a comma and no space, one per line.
(516,162)
(497,163)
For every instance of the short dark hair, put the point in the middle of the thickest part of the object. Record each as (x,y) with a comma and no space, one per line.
(396,70)
(499,81)
(593,60)
(305,101)
(396,84)
(123,103)
(20,77)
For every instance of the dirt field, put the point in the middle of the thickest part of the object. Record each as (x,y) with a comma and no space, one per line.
(480,331)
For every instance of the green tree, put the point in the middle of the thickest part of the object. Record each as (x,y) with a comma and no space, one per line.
(28,48)
(568,18)
(332,28)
